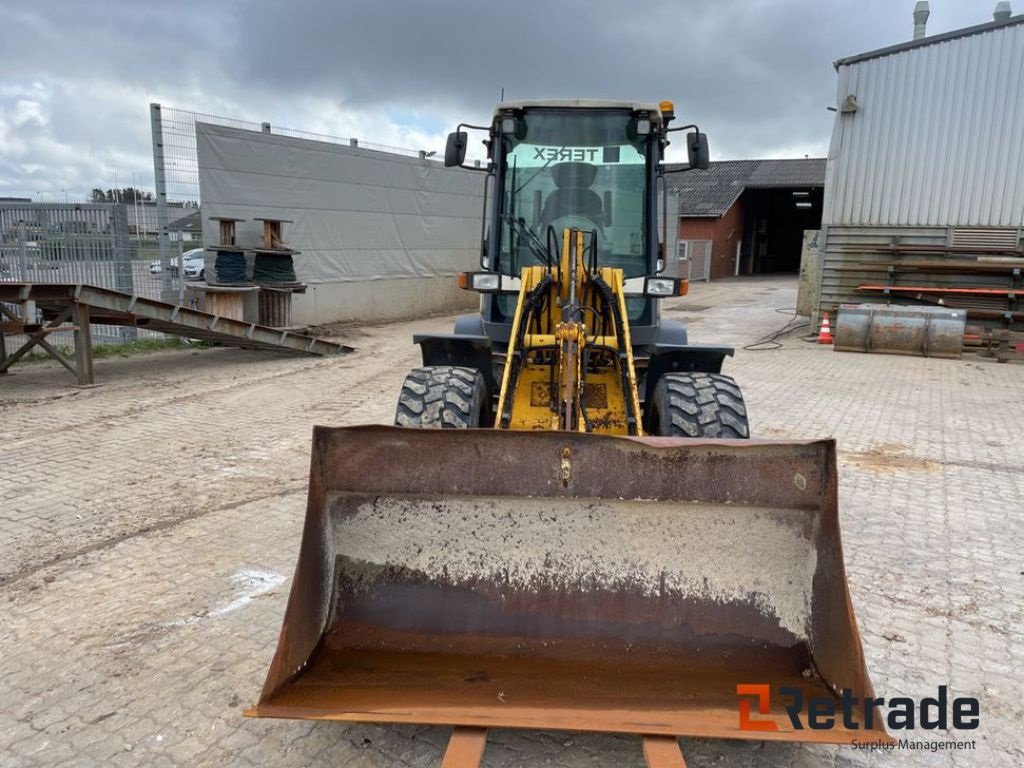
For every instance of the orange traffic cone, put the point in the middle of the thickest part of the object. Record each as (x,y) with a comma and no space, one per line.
(825,334)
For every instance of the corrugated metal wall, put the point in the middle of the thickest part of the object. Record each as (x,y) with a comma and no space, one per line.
(936,145)
(849,261)
(937,138)
(846,265)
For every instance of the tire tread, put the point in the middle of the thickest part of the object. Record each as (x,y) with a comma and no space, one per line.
(442,397)
(698,405)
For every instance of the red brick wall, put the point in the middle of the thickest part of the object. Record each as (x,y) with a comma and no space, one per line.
(723,233)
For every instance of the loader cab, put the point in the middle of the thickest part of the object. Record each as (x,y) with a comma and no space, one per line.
(581,168)
(581,165)
(592,166)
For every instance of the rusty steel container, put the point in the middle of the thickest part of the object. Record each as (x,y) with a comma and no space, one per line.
(566,581)
(900,330)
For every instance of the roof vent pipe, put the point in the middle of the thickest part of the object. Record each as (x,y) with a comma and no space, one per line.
(1002,11)
(921,14)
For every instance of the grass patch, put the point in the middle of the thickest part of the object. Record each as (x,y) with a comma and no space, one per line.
(140,347)
(104,351)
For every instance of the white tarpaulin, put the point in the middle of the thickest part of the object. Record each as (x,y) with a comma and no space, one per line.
(357,214)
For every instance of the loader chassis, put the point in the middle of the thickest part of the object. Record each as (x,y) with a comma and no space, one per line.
(527,556)
(554,170)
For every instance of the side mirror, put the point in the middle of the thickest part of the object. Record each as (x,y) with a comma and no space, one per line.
(697,149)
(455,149)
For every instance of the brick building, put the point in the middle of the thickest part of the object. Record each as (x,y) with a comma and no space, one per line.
(744,217)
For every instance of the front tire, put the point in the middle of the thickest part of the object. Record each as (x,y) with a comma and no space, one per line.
(702,405)
(443,397)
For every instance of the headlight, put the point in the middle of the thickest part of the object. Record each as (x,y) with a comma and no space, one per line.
(660,286)
(485,281)
(665,286)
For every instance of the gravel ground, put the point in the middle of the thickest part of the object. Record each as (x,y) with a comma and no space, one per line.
(149,527)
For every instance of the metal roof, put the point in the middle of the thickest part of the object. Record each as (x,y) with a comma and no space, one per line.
(712,192)
(577,104)
(186,223)
(803,172)
(654,110)
(931,40)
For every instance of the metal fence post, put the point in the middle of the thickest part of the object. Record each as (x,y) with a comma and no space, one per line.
(122,247)
(160,183)
(181,268)
(28,308)
(22,251)
(123,259)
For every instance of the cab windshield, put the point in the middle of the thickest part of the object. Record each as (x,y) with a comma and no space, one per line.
(584,169)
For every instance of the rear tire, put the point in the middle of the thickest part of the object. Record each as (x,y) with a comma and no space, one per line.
(443,397)
(697,405)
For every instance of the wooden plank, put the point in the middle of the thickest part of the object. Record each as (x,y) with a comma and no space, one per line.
(663,752)
(230,305)
(37,339)
(18,292)
(465,748)
(13,327)
(55,354)
(83,344)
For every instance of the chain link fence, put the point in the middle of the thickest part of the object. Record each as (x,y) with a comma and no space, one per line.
(140,247)
(91,243)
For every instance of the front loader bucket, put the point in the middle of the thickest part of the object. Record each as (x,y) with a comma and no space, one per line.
(567,581)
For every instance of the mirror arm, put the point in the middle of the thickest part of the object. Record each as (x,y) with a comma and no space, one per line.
(695,127)
(487,128)
(682,128)
(458,130)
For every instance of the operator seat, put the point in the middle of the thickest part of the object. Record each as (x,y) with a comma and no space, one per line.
(573,196)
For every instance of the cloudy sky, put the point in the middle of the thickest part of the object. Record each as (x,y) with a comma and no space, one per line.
(77,76)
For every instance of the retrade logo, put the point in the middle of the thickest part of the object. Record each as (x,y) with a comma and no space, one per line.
(853,713)
(763,693)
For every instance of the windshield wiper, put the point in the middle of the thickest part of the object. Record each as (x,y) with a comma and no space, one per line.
(532,241)
(516,190)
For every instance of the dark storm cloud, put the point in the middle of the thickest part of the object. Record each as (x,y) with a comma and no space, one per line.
(758,72)
(76,77)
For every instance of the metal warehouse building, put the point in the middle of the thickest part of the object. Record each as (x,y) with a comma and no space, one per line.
(924,186)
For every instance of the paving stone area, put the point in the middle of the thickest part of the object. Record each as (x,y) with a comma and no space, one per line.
(149,527)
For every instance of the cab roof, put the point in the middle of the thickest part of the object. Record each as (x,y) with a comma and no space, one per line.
(633,106)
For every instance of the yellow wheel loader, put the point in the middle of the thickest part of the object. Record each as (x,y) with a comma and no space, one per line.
(588,540)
